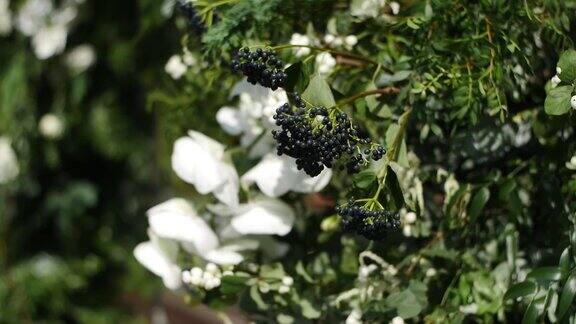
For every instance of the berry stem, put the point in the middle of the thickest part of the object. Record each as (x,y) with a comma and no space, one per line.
(387,90)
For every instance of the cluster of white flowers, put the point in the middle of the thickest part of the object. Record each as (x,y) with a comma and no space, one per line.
(347,42)
(325,63)
(48,26)
(5,18)
(303,40)
(178,65)
(373,8)
(287,283)
(9,168)
(408,220)
(51,126)
(209,278)
(204,163)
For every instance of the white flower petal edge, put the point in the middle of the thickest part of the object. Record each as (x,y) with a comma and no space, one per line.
(276,175)
(264,217)
(229,120)
(200,161)
(152,257)
(176,219)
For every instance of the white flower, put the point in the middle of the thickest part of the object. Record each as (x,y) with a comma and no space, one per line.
(81,58)
(49,41)
(325,62)
(276,175)
(350,41)
(367,8)
(283,289)
(397,320)
(572,163)
(410,217)
(5,17)
(299,39)
(202,162)
(175,67)
(9,168)
(355,317)
(329,38)
(555,80)
(264,216)
(573,102)
(264,287)
(159,256)
(51,126)
(32,16)
(407,230)
(431,272)
(395,7)
(176,220)
(287,281)
(253,118)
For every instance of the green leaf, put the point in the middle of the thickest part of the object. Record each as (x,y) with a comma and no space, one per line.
(318,92)
(478,202)
(558,100)
(297,77)
(564,262)
(567,295)
(546,274)
(364,179)
(406,304)
(308,310)
(531,314)
(284,319)
(303,273)
(234,284)
(257,298)
(521,289)
(567,63)
(393,185)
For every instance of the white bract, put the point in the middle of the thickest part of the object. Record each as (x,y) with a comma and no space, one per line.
(276,175)
(5,18)
(202,162)
(81,58)
(252,119)
(51,126)
(9,168)
(325,62)
(159,256)
(299,39)
(263,216)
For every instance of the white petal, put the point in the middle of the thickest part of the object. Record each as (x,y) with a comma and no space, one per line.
(223,257)
(173,220)
(307,184)
(256,92)
(228,192)
(267,216)
(196,165)
(240,244)
(229,120)
(211,145)
(273,175)
(151,257)
(9,168)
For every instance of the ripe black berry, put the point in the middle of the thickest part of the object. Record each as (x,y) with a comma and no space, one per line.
(260,66)
(187,9)
(372,224)
(318,138)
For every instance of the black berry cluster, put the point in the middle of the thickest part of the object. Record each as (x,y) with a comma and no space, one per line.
(372,224)
(260,66)
(187,9)
(318,138)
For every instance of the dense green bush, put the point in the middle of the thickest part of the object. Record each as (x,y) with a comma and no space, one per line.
(467,217)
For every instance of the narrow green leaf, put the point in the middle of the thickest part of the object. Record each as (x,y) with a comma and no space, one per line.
(567,295)
(393,185)
(318,92)
(478,202)
(521,289)
(308,310)
(531,314)
(564,262)
(558,100)
(303,273)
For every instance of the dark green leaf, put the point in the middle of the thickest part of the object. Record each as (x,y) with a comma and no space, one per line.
(567,295)
(567,63)
(234,284)
(364,179)
(564,262)
(297,77)
(531,314)
(393,185)
(546,274)
(478,202)
(558,100)
(521,289)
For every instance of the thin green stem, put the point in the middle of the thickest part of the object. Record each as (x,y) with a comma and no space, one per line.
(387,90)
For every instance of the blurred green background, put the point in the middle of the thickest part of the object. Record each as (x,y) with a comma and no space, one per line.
(70,218)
